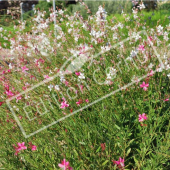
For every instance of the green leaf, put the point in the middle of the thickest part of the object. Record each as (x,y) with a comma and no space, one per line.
(82,143)
(104,163)
(98,149)
(128,151)
(136,161)
(117,127)
(103,125)
(75,152)
(131,141)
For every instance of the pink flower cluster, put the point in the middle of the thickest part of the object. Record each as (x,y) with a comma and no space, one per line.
(119,163)
(65,165)
(21,146)
(80,101)
(64,104)
(142,117)
(144,86)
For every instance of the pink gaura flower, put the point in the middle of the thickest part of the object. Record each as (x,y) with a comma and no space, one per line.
(46,76)
(77,73)
(33,147)
(150,38)
(142,117)
(1,103)
(18,98)
(65,165)
(6,87)
(166,99)
(81,87)
(24,69)
(9,93)
(79,102)
(21,146)
(103,146)
(64,104)
(120,162)
(20,117)
(144,86)
(141,48)
(87,100)
(16,150)
(151,73)
(66,83)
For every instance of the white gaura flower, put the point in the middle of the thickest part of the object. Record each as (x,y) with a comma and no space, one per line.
(50,72)
(58,37)
(58,27)
(59,44)
(109,77)
(142,6)
(159,69)
(62,79)
(159,29)
(67,24)
(76,39)
(1,29)
(69,30)
(150,65)
(27,97)
(84,26)
(166,36)
(61,11)
(10,66)
(57,87)
(133,53)
(168,27)
(167,67)
(114,36)
(168,75)
(93,33)
(50,87)
(81,76)
(44,53)
(120,25)
(107,48)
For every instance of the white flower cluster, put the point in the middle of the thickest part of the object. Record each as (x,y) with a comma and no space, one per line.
(166,38)
(39,17)
(1,29)
(101,14)
(168,27)
(112,73)
(141,6)
(56,87)
(57,27)
(81,76)
(136,36)
(119,25)
(166,62)
(105,48)
(96,34)
(160,29)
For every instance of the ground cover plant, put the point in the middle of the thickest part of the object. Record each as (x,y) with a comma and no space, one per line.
(95,96)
